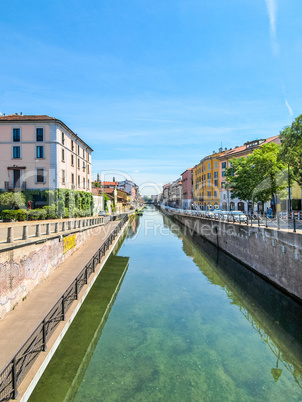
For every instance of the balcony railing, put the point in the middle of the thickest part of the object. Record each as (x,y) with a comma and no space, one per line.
(8,185)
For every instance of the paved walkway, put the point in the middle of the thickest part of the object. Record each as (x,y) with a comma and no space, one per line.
(19,324)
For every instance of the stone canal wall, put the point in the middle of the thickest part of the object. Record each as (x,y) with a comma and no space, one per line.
(23,266)
(275,255)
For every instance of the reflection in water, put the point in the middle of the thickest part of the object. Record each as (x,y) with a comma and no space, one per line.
(63,375)
(133,227)
(275,316)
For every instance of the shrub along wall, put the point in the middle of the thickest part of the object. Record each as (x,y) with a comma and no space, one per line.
(57,203)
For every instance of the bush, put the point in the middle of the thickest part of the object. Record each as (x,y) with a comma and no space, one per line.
(8,215)
(37,214)
(50,212)
(21,214)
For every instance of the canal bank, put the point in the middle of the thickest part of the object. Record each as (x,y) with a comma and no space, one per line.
(188,323)
(275,255)
(40,322)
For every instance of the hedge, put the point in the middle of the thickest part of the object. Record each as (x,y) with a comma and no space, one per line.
(37,214)
(18,214)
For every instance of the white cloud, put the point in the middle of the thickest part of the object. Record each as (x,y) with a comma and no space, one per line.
(289,108)
(272,13)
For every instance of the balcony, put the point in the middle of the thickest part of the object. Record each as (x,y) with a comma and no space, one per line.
(9,185)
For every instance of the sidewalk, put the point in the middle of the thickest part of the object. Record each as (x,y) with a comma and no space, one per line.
(19,324)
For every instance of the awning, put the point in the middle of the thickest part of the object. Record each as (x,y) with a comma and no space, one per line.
(16,167)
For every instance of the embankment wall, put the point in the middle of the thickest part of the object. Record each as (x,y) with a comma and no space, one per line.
(24,266)
(276,255)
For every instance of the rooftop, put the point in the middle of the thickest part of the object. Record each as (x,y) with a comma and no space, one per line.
(42,118)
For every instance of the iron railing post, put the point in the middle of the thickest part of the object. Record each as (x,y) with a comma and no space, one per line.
(14,379)
(44,335)
(63,308)
(294,222)
(76,292)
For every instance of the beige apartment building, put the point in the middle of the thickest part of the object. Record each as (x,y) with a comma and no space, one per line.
(41,152)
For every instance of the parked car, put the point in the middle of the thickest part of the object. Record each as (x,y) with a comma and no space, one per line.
(218,213)
(237,216)
(103,213)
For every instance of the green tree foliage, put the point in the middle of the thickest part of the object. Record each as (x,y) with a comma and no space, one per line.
(291,148)
(12,200)
(259,176)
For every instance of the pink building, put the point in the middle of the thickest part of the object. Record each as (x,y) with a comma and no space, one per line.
(41,152)
(187,188)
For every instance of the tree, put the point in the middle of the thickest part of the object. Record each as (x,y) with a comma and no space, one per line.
(12,200)
(259,176)
(241,178)
(291,148)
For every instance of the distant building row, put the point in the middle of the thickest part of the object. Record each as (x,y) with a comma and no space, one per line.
(203,186)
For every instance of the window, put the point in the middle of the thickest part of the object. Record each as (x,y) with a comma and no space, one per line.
(72,145)
(40,176)
(216,183)
(78,149)
(40,152)
(223,165)
(209,193)
(39,134)
(84,153)
(79,163)
(215,194)
(16,152)
(63,155)
(209,165)
(63,176)
(72,160)
(209,183)
(72,178)
(223,173)
(215,164)
(16,135)
(215,175)
(223,184)
(84,166)
(209,175)
(84,182)
(79,181)
(63,138)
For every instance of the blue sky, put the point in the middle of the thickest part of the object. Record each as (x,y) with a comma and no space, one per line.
(154,85)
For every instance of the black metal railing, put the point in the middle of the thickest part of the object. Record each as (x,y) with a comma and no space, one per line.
(15,371)
(289,222)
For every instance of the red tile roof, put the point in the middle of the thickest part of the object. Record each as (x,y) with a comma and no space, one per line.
(244,147)
(31,117)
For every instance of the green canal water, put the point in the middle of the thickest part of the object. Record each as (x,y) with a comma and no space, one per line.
(171,318)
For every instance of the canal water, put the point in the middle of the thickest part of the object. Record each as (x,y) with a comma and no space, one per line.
(171,318)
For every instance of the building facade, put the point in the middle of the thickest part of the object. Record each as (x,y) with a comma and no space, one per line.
(166,193)
(206,183)
(175,194)
(226,201)
(41,153)
(187,188)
